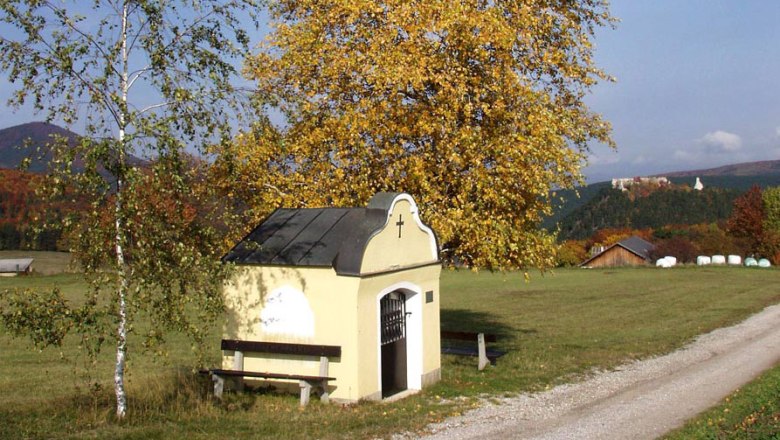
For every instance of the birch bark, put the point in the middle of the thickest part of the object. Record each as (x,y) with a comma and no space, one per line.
(121,345)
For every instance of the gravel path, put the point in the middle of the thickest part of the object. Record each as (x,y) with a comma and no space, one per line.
(640,400)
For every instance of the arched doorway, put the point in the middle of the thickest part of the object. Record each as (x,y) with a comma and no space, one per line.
(399,364)
(393,332)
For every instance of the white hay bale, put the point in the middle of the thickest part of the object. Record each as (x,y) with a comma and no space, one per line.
(735,260)
(663,262)
(764,263)
(751,262)
(671,260)
(703,260)
(718,259)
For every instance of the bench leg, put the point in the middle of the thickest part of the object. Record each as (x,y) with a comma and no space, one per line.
(483,359)
(305,392)
(324,365)
(238,364)
(307,386)
(219,385)
(324,397)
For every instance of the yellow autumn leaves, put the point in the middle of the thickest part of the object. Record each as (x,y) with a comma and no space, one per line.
(473,107)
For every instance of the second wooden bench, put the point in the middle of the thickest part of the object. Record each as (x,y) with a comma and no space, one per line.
(486,356)
(306,382)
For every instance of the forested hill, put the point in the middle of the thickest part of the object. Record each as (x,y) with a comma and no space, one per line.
(740,183)
(19,203)
(32,140)
(612,208)
(21,141)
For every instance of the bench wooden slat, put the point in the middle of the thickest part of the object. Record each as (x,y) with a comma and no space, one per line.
(239,373)
(466,336)
(485,355)
(281,348)
(466,351)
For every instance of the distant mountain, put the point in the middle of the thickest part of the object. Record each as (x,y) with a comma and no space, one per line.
(761,168)
(21,141)
(33,140)
(612,208)
(737,177)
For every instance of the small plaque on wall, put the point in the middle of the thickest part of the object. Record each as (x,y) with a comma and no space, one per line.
(429,296)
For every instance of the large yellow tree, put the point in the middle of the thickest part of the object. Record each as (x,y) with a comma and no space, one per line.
(474,107)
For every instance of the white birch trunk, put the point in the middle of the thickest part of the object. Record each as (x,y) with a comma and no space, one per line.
(121,345)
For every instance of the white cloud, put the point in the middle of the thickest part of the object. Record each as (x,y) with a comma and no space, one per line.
(640,160)
(686,155)
(713,148)
(595,159)
(721,142)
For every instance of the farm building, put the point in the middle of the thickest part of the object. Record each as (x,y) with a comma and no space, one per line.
(360,283)
(632,251)
(16,266)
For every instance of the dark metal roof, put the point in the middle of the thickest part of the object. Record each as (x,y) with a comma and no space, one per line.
(318,237)
(638,246)
(633,244)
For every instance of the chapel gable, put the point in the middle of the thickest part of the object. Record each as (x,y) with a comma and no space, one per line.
(386,235)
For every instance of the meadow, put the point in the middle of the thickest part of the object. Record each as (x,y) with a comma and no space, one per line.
(556,328)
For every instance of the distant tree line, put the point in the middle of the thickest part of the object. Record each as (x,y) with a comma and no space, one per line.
(748,225)
(612,208)
(571,199)
(20,237)
(22,215)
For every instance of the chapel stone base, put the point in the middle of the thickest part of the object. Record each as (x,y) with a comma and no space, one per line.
(431,377)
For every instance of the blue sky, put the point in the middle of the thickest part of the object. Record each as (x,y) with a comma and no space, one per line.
(698,85)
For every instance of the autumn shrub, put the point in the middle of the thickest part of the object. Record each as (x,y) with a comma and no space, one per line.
(747,218)
(706,238)
(571,253)
(678,247)
(670,231)
(770,246)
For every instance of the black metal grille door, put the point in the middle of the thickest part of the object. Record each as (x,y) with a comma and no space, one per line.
(393,317)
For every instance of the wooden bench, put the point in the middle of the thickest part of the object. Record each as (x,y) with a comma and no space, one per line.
(306,382)
(481,351)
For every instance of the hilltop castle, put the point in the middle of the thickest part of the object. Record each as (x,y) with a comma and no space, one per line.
(624,183)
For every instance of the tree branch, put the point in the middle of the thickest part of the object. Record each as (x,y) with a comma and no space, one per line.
(154,106)
(67,22)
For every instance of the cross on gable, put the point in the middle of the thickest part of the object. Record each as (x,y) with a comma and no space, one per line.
(400,224)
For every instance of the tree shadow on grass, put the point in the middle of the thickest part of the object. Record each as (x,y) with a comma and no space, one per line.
(171,394)
(463,320)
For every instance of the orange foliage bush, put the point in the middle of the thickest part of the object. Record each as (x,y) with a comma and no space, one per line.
(571,253)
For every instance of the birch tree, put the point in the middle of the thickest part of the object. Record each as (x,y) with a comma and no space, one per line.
(475,107)
(147,78)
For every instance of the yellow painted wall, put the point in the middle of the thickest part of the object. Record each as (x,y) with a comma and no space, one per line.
(342,316)
(333,301)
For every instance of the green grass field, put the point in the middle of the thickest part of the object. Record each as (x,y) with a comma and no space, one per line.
(556,327)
